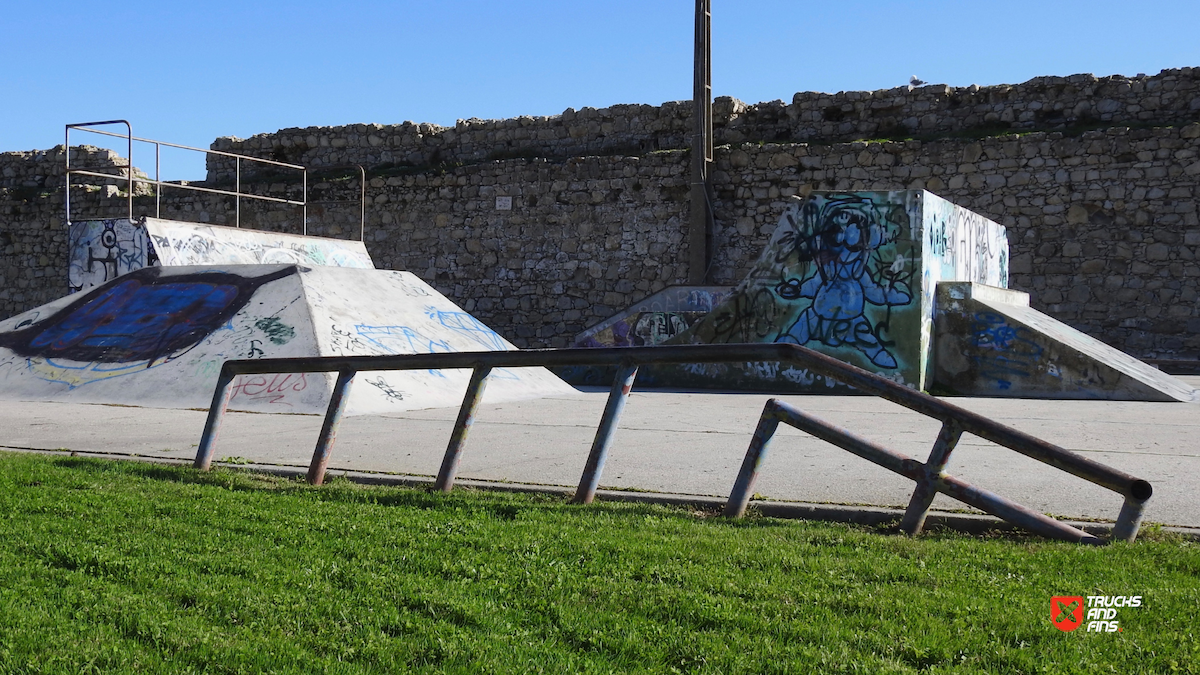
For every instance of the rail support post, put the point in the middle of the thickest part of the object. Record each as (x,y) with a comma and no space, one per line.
(212,425)
(617,396)
(462,426)
(333,417)
(1129,520)
(922,498)
(739,498)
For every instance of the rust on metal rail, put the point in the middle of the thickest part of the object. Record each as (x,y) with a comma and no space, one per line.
(929,476)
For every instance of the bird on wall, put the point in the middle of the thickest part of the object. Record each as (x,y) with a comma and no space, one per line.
(915,81)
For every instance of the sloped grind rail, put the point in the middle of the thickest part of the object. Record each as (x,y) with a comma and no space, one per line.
(929,476)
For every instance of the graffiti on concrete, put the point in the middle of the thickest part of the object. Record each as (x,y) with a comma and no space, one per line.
(275,330)
(970,247)
(400,340)
(654,319)
(837,270)
(388,390)
(142,317)
(1003,352)
(140,321)
(642,329)
(102,250)
(841,238)
(269,389)
(468,326)
(191,244)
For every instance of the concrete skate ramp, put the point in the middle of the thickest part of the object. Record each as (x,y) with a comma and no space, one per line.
(157,337)
(655,319)
(178,243)
(102,250)
(851,275)
(990,342)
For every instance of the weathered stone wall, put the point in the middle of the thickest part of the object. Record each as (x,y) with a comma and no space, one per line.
(1043,103)
(1103,224)
(33,231)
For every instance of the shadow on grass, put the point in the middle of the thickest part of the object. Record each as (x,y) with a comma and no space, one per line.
(501,505)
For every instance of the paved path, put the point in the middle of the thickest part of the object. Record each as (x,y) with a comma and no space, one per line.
(684,443)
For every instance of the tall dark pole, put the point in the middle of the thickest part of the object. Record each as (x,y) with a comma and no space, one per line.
(700,230)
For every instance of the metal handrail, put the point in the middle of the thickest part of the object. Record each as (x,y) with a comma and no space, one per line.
(930,476)
(131,180)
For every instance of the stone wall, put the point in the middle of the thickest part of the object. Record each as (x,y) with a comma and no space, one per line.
(1103,224)
(33,231)
(1043,103)
(44,169)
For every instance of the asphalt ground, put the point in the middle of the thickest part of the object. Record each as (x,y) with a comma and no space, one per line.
(689,444)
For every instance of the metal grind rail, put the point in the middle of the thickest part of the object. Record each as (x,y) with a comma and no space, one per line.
(929,476)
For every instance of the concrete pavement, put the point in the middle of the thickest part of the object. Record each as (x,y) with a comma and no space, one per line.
(683,443)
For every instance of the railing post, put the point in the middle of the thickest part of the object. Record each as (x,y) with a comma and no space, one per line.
(237,189)
(617,396)
(362,204)
(739,498)
(922,498)
(462,426)
(67,173)
(157,180)
(1129,520)
(212,425)
(333,416)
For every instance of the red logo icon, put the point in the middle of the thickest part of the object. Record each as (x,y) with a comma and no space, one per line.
(1066,611)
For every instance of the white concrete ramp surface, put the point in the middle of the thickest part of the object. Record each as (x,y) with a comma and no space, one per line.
(157,337)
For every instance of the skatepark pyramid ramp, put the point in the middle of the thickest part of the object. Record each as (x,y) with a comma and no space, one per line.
(157,337)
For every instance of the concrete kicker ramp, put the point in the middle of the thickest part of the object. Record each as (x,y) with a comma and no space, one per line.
(655,319)
(157,337)
(102,250)
(990,342)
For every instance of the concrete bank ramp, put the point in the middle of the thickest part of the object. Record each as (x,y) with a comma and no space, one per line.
(655,319)
(157,337)
(102,250)
(990,342)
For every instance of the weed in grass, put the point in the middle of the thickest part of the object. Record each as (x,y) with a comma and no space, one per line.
(121,567)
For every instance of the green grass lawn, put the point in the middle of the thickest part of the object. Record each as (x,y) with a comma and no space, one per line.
(113,567)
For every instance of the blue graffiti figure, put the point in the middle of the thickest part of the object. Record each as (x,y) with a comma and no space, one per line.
(843,279)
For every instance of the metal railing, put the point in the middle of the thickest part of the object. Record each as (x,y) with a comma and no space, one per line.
(930,476)
(132,180)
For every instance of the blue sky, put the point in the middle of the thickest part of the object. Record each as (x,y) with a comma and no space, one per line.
(189,72)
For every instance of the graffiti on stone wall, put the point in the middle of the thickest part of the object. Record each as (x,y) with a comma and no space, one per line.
(837,271)
(102,250)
